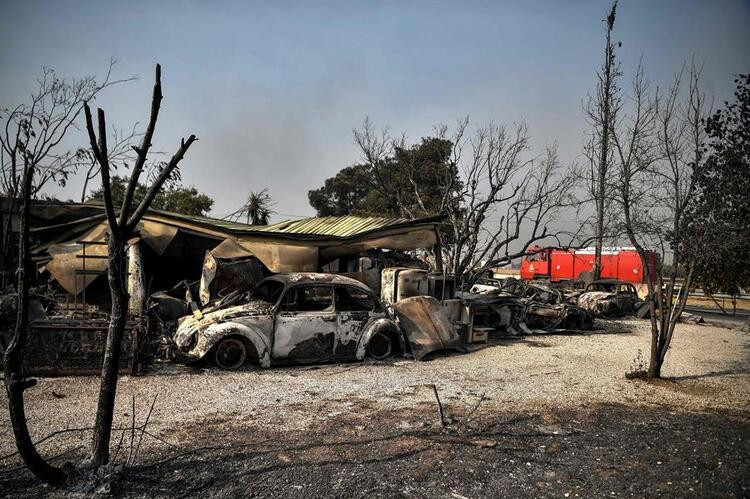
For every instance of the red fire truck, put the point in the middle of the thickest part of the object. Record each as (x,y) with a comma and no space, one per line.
(567,265)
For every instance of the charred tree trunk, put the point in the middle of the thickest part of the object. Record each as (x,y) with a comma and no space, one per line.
(606,122)
(117,277)
(120,231)
(16,381)
(6,252)
(654,364)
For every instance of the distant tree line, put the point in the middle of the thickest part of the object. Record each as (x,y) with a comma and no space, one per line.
(173,197)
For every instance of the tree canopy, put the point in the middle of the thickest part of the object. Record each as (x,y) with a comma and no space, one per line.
(409,182)
(720,222)
(176,197)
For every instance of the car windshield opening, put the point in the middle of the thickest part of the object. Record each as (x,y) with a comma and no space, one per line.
(602,286)
(268,291)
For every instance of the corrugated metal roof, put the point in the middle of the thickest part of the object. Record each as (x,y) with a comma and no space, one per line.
(310,228)
(332,226)
(317,227)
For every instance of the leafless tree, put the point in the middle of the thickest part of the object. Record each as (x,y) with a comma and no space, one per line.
(600,110)
(505,201)
(16,381)
(658,154)
(498,198)
(120,230)
(120,152)
(29,139)
(31,134)
(376,148)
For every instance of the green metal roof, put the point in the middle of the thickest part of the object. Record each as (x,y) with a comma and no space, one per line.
(333,226)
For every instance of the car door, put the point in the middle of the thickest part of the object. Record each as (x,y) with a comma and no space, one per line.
(305,327)
(354,309)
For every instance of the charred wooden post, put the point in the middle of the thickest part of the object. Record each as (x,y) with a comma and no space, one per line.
(136,280)
(438,250)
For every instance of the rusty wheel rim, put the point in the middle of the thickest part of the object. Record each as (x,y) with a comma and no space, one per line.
(230,354)
(379,346)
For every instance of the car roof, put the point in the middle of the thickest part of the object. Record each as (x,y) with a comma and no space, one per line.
(610,281)
(294,278)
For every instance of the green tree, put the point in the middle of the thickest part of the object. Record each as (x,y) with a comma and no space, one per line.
(343,193)
(720,222)
(176,198)
(408,181)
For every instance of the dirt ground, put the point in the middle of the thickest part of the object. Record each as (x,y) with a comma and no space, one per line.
(548,415)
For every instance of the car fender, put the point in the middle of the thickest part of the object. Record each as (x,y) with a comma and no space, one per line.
(375,326)
(217,332)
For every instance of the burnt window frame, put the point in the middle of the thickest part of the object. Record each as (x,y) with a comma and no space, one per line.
(331,309)
(376,306)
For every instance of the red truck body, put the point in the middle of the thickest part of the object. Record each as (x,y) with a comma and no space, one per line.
(568,265)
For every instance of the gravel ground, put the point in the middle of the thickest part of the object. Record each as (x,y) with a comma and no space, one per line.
(707,369)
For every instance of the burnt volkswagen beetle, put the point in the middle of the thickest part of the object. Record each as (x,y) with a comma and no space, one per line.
(293,318)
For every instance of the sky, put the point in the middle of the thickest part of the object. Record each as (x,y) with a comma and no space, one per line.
(274,89)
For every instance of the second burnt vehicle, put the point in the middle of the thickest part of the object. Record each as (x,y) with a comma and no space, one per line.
(609,297)
(546,308)
(292,318)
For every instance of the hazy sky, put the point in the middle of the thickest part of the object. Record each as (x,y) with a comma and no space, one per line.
(273,89)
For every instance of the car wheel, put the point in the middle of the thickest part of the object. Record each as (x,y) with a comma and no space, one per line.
(230,353)
(380,346)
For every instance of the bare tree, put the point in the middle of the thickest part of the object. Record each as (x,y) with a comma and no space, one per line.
(377,148)
(498,199)
(505,201)
(31,133)
(658,148)
(16,381)
(28,141)
(600,111)
(120,230)
(120,151)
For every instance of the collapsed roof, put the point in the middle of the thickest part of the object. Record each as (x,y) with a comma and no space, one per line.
(289,246)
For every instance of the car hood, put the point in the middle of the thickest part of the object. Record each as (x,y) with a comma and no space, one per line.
(426,326)
(189,325)
(596,301)
(596,295)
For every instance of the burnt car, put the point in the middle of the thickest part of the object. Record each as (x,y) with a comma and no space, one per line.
(609,298)
(293,318)
(547,308)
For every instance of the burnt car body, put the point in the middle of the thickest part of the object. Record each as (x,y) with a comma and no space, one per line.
(293,318)
(495,305)
(547,308)
(609,297)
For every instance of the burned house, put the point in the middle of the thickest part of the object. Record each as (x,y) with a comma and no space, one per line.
(171,248)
